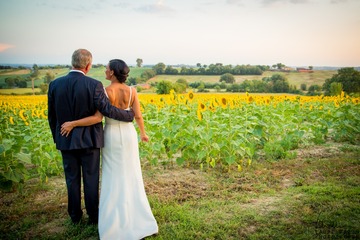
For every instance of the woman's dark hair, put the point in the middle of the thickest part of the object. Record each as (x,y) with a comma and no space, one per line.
(120,68)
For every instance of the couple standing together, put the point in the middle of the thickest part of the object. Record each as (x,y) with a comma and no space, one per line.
(76,105)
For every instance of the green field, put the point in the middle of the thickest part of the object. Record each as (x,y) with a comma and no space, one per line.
(295,78)
(97,73)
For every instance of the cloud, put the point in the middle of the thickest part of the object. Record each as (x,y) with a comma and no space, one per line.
(158,7)
(4,46)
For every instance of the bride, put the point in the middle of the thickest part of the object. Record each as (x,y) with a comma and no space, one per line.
(124,211)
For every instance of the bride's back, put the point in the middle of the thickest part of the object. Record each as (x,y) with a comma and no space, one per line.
(119,95)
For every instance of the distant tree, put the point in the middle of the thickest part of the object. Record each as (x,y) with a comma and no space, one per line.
(247,86)
(35,72)
(233,88)
(227,77)
(335,88)
(280,66)
(171,71)
(10,81)
(99,65)
(182,81)
(198,65)
(163,87)
(223,85)
(348,77)
(179,87)
(22,84)
(259,86)
(139,62)
(44,88)
(314,88)
(131,81)
(147,74)
(49,76)
(278,83)
(311,67)
(303,87)
(159,68)
(201,87)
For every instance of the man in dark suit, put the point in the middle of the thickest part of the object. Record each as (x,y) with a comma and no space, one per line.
(73,97)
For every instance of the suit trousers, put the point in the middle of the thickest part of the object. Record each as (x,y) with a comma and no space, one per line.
(87,163)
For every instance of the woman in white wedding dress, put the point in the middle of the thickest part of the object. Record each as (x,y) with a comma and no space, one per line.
(124,211)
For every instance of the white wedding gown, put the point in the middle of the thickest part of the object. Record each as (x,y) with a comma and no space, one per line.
(124,211)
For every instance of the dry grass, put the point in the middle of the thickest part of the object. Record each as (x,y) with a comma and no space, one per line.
(15,72)
(267,199)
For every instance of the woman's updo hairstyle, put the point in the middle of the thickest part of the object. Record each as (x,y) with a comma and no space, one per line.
(120,68)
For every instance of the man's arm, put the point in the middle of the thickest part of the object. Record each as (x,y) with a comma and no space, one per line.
(103,104)
(66,127)
(51,113)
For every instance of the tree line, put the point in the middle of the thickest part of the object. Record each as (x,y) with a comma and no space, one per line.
(347,79)
(212,69)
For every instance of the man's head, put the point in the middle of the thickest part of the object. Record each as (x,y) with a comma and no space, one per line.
(81,60)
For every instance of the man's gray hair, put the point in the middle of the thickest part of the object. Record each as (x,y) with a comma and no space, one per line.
(81,58)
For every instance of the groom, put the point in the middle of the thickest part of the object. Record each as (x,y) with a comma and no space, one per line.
(72,97)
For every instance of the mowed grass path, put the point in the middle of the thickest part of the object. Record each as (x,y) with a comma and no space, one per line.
(314,196)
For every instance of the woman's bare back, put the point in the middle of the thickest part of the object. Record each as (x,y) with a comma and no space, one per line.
(119,95)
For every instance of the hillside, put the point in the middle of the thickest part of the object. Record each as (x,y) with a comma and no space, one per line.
(295,78)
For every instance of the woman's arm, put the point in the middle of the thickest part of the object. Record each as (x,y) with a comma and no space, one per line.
(138,117)
(66,127)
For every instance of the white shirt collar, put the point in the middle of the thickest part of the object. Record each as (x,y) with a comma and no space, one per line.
(74,70)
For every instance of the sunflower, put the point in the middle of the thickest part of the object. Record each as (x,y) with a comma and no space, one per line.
(11,121)
(43,114)
(199,114)
(201,106)
(223,102)
(22,116)
(190,95)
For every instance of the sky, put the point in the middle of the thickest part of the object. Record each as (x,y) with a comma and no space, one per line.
(236,32)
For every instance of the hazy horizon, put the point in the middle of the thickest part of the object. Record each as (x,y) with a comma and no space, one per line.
(237,32)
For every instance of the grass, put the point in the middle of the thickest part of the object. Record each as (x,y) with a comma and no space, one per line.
(295,78)
(313,196)
(97,73)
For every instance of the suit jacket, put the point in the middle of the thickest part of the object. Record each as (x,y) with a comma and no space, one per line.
(76,96)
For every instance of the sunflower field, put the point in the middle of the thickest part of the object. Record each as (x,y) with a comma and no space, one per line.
(221,131)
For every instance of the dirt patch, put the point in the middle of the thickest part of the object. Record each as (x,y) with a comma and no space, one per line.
(264,205)
(318,151)
(57,197)
(55,226)
(179,185)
